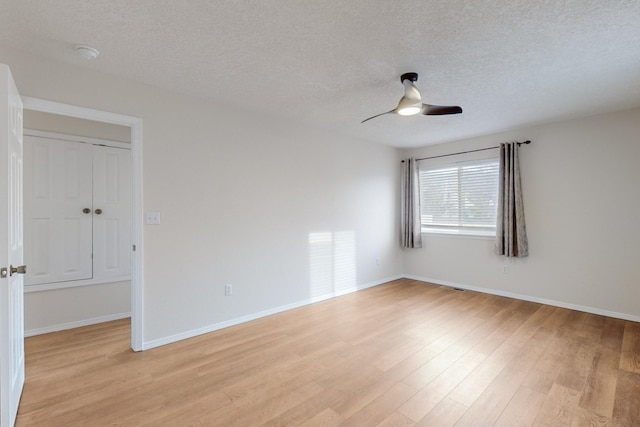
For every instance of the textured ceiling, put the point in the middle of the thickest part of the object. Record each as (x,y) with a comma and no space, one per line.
(508,63)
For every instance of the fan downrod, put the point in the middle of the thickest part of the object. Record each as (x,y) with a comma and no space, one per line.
(409,76)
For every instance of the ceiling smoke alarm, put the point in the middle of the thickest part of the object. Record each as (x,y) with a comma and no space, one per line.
(87,52)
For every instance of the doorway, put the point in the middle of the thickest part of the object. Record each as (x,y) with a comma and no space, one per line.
(135,126)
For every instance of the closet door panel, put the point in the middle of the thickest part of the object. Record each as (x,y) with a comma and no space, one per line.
(57,187)
(39,253)
(113,197)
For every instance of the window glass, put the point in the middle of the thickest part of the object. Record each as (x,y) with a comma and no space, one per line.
(460,198)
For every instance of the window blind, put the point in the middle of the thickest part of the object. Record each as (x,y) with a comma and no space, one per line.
(460,197)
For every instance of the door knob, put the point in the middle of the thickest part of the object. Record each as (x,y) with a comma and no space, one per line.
(86,210)
(98,211)
(22,269)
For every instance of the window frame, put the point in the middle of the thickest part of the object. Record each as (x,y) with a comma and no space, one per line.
(470,231)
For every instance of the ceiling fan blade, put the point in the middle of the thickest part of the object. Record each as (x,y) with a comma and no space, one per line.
(378,115)
(440,110)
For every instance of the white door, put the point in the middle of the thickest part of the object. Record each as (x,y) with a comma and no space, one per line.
(112,204)
(11,245)
(58,210)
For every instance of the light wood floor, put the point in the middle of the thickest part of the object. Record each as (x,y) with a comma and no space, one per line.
(402,354)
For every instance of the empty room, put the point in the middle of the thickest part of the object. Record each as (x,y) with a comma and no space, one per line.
(282,213)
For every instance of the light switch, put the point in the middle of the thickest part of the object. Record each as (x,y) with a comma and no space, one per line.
(152,218)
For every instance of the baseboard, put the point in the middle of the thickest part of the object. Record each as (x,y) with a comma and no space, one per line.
(228,323)
(77,324)
(592,310)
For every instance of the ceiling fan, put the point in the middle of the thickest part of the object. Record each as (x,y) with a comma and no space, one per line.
(411,103)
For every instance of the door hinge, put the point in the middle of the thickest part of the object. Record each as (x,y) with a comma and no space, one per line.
(134,248)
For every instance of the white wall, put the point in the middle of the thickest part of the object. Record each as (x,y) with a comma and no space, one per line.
(245,199)
(38,120)
(582,204)
(58,309)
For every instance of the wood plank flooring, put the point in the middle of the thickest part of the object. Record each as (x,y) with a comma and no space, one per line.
(406,353)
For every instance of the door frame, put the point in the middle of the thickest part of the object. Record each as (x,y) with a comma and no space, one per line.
(137,264)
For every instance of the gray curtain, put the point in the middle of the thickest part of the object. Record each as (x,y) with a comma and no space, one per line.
(511,233)
(410,208)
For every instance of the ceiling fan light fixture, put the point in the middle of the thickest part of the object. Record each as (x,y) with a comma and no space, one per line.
(409,111)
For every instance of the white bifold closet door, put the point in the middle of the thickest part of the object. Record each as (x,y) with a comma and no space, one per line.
(78,211)
(113,196)
(57,188)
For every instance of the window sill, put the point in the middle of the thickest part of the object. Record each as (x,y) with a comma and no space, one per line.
(466,234)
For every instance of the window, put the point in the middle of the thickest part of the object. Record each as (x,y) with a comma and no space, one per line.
(459,198)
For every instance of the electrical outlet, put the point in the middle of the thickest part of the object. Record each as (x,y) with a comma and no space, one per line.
(505,268)
(228,290)
(377,261)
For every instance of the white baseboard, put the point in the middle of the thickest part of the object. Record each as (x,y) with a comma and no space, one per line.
(76,324)
(592,310)
(227,323)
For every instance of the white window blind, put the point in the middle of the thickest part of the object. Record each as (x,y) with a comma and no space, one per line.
(460,198)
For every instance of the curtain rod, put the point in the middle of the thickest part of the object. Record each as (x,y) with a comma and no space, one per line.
(469,151)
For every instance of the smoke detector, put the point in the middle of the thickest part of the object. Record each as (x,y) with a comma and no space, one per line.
(87,52)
